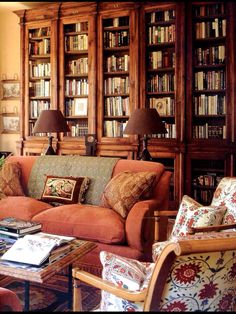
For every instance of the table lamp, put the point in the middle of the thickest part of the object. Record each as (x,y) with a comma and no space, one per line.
(144,122)
(50,121)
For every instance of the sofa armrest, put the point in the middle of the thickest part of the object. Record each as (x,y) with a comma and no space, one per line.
(139,230)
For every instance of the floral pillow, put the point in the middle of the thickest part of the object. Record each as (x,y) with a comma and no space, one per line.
(126,273)
(65,190)
(10,179)
(193,214)
(125,189)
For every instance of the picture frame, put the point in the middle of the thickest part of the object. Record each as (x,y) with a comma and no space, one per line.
(10,89)
(81,107)
(11,123)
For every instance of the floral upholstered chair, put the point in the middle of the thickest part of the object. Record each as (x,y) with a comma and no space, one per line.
(188,273)
(193,273)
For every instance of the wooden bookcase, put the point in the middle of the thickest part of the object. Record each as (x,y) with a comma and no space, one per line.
(178,57)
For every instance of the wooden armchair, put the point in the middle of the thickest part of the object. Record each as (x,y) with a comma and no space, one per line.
(193,273)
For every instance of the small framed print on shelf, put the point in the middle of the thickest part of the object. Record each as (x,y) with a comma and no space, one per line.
(11,123)
(10,89)
(81,107)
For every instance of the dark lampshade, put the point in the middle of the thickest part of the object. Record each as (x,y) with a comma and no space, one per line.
(144,122)
(50,121)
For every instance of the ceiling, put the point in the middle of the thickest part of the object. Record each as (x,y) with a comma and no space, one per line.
(10,6)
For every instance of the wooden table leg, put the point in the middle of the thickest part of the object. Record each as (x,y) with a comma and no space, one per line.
(77,298)
(27,296)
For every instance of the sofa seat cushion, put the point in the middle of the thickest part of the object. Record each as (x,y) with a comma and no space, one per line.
(89,222)
(21,207)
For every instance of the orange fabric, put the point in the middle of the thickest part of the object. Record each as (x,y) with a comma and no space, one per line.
(22,207)
(88,222)
(9,301)
(26,163)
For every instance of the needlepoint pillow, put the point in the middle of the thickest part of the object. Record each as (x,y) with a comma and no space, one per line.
(193,214)
(10,179)
(126,273)
(125,189)
(65,190)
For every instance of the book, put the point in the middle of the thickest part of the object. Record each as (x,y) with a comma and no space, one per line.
(17,235)
(19,226)
(34,249)
(58,252)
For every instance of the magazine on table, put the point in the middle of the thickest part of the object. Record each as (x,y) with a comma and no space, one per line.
(34,249)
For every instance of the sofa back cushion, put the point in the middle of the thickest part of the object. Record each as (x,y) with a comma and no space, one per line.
(139,166)
(26,163)
(97,169)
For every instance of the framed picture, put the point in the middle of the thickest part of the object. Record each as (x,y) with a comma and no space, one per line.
(11,123)
(10,89)
(81,107)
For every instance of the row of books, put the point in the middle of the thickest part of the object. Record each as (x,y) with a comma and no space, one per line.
(208,179)
(78,129)
(40,47)
(162,59)
(39,69)
(114,128)
(114,63)
(76,27)
(117,106)
(116,22)
(76,42)
(40,88)
(161,34)
(209,9)
(161,83)
(210,55)
(116,85)
(36,106)
(209,131)
(210,80)
(171,131)
(161,16)
(40,32)
(79,66)
(116,39)
(76,87)
(209,104)
(210,29)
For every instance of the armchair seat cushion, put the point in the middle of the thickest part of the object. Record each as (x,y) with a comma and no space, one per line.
(89,222)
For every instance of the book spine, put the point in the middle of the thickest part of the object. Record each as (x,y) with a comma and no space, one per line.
(9,229)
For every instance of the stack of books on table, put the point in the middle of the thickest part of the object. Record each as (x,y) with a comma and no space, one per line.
(12,228)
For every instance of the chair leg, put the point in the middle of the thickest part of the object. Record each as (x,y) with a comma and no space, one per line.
(77,297)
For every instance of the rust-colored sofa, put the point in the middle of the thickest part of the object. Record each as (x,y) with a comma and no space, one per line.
(131,237)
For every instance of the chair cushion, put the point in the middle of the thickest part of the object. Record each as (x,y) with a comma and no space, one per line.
(193,214)
(125,189)
(126,273)
(225,195)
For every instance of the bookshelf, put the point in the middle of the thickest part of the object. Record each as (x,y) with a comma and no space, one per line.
(109,58)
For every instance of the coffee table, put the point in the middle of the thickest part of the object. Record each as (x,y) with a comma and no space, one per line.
(44,272)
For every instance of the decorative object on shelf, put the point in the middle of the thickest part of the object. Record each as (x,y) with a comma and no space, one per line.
(90,143)
(11,123)
(144,122)
(50,121)
(10,88)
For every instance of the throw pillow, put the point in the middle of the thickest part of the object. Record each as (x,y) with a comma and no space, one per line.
(10,179)
(65,190)
(125,189)
(126,273)
(193,214)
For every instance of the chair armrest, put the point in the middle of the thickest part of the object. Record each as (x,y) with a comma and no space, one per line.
(193,230)
(97,282)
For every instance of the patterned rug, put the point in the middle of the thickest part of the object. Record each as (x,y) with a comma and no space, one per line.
(51,297)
